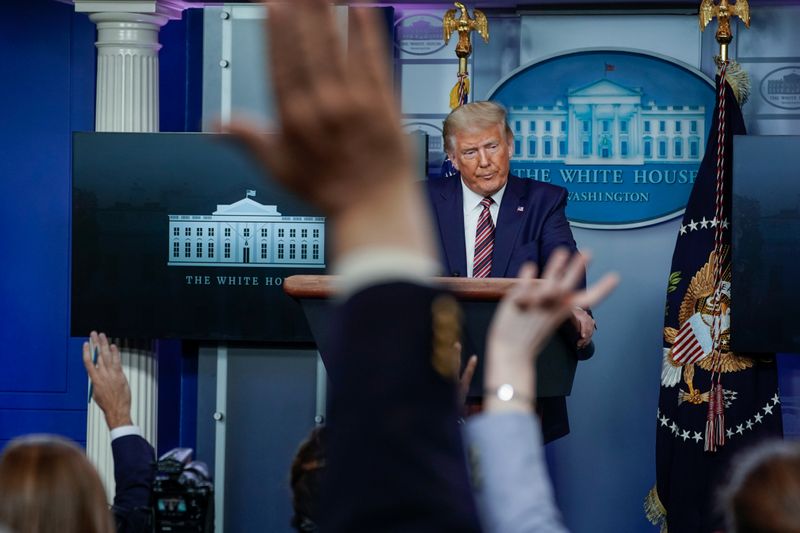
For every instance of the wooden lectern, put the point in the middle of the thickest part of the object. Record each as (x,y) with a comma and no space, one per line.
(478,299)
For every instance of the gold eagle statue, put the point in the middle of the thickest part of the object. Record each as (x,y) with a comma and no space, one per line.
(724,11)
(464,25)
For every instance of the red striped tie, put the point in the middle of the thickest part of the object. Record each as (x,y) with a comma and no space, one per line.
(484,242)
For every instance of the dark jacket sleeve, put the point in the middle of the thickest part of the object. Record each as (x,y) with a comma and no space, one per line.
(396,460)
(557,233)
(555,227)
(134,471)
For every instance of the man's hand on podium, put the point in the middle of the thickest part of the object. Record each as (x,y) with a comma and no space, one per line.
(584,324)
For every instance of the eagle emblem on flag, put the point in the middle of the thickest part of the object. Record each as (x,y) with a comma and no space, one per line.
(691,344)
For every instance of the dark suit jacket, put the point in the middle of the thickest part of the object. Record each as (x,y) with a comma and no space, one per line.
(395,459)
(134,471)
(531,224)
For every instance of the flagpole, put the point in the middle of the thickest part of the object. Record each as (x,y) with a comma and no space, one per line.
(715,418)
(464,26)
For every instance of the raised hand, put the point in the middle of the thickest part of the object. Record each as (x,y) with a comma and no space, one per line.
(340,145)
(529,314)
(340,135)
(110,387)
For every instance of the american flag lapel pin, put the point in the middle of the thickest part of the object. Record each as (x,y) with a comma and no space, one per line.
(520,209)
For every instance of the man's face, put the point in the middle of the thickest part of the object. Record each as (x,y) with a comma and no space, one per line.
(482,157)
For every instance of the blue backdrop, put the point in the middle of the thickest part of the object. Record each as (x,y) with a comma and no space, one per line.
(48,91)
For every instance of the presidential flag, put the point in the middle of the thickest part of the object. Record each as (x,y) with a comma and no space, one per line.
(713,402)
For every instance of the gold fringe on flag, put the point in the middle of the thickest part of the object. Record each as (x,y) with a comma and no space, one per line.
(458,21)
(460,92)
(738,79)
(654,510)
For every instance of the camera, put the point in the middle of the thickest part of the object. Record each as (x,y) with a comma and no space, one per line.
(183,494)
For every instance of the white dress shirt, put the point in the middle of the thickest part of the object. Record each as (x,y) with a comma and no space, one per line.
(472,212)
(124,431)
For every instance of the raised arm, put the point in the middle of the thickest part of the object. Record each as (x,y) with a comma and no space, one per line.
(134,457)
(395,455)
(514,492)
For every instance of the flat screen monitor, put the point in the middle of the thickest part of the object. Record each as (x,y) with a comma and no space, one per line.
(180,235)
(766,244)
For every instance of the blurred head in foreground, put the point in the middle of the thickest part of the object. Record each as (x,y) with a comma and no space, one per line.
(48,485)
(764,492)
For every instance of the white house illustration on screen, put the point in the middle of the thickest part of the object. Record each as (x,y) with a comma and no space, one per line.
(246,233)
(606,123)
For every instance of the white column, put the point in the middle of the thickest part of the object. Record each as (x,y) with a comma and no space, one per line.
(127,101)
(127,71)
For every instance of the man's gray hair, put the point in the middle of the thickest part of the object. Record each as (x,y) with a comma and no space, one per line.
(473,116)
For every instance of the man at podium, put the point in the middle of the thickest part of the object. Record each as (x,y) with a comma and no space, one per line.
(491,222)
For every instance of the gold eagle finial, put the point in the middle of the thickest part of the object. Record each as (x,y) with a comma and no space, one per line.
(724,11)
(464,25)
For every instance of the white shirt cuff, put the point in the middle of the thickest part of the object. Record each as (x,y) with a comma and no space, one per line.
(372,266)
(124,431)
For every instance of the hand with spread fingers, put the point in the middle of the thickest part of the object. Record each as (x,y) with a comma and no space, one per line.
(527,317)
(340,145)
(110,388)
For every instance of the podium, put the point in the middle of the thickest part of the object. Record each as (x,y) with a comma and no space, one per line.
(478,298)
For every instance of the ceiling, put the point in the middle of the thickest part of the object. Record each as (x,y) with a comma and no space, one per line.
(542,4)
